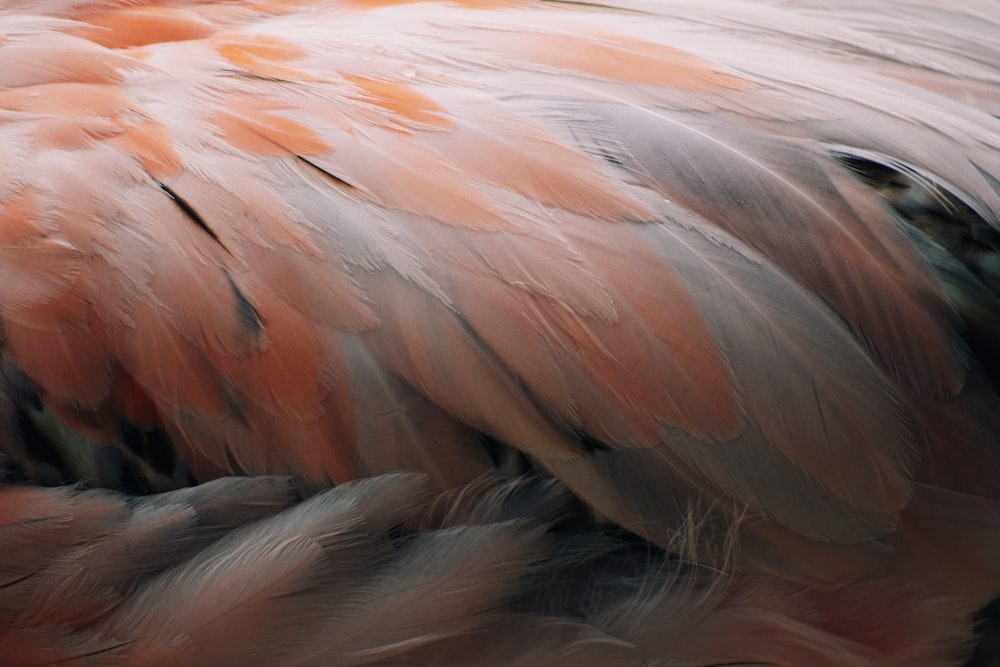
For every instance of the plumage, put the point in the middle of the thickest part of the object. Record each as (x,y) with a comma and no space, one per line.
(646,332)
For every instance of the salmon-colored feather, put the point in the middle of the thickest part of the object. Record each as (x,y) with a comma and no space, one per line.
(684,314)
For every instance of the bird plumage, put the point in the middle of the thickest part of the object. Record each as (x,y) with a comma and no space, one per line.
(728,273)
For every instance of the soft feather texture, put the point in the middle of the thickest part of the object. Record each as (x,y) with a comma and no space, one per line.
(727,271)
(381,572)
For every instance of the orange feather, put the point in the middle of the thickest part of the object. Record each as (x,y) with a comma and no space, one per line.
(682,316)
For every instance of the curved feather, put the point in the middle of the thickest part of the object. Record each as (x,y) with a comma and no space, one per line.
(332,239)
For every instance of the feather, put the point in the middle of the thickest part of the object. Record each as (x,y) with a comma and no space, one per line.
(721,278)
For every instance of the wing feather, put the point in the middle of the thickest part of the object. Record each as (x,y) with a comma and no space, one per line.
(328,239)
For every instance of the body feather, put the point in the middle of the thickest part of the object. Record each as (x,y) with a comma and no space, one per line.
(725,277)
